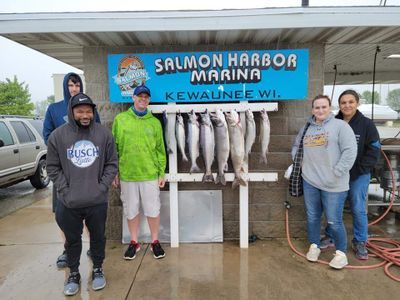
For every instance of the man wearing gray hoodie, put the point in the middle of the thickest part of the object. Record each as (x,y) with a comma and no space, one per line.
(57,115)
(82,163)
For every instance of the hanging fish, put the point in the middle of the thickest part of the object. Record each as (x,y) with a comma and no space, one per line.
(207,144)
(222,144)
(180,136)
(236,139)
(265,129)
(166,131)
(193,140)
(250,136)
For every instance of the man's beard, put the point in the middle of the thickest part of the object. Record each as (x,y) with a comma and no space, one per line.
(83,126)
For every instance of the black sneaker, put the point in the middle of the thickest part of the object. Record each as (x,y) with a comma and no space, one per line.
(133,248)
(71,287)
(157,250)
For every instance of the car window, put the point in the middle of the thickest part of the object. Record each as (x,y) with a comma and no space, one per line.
(24,134)
(5,135)
(38,125)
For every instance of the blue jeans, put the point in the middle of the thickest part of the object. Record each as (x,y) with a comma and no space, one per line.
(358,198)
(317,201)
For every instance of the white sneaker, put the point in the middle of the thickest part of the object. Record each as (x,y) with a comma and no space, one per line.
(313,253)
(339,261)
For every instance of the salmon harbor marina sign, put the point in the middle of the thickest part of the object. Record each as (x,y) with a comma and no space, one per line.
(225,76)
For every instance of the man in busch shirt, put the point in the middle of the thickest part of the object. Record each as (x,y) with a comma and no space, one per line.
(82,163)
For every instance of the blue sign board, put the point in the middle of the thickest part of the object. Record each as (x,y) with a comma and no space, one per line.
(185,77)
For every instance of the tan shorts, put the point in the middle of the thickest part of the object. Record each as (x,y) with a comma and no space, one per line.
(146,193)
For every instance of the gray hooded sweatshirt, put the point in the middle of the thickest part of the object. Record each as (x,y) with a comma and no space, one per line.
(81,162)
(330,149)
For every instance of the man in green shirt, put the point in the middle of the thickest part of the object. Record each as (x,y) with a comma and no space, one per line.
(142,160)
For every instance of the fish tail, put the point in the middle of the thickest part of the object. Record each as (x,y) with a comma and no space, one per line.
(220,179)
(235,183)
(238,181)
(208,178)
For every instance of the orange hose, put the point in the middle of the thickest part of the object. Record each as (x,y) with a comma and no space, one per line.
(390,255)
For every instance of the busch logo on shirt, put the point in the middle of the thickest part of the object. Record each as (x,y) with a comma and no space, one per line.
(83,153)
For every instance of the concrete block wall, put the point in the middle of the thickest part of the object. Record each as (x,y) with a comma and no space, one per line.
(266,209)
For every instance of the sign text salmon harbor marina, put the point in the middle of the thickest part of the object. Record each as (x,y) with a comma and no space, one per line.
(211,76)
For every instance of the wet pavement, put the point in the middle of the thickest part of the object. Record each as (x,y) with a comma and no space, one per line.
(30,244)
(20,195)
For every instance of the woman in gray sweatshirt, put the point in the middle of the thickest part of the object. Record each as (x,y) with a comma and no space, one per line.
(330,149)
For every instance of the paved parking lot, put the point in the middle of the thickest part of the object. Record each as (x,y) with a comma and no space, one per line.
(30,243)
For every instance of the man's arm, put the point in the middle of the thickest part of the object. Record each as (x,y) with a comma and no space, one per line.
(48,125)
(160,153)
(111,163)
(53,165)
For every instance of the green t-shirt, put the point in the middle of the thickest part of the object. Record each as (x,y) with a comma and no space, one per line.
(140,146)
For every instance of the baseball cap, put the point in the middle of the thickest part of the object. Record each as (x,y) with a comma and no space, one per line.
(80,99)
(142,89)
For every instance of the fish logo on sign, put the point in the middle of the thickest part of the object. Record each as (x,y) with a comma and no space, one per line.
(131,73)
(83,153)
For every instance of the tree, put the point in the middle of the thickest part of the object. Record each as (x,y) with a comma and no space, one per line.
(367,95)
(15,98)
(41,106)
(393,99)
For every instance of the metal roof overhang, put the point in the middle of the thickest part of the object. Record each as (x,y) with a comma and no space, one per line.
(350,34)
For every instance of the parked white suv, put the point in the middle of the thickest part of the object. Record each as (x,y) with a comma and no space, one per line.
(22,151)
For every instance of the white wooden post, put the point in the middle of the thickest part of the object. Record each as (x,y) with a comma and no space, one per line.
(244,215)
(244,197)
(173,185)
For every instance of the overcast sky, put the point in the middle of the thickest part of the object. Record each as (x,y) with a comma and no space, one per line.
(37,69)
